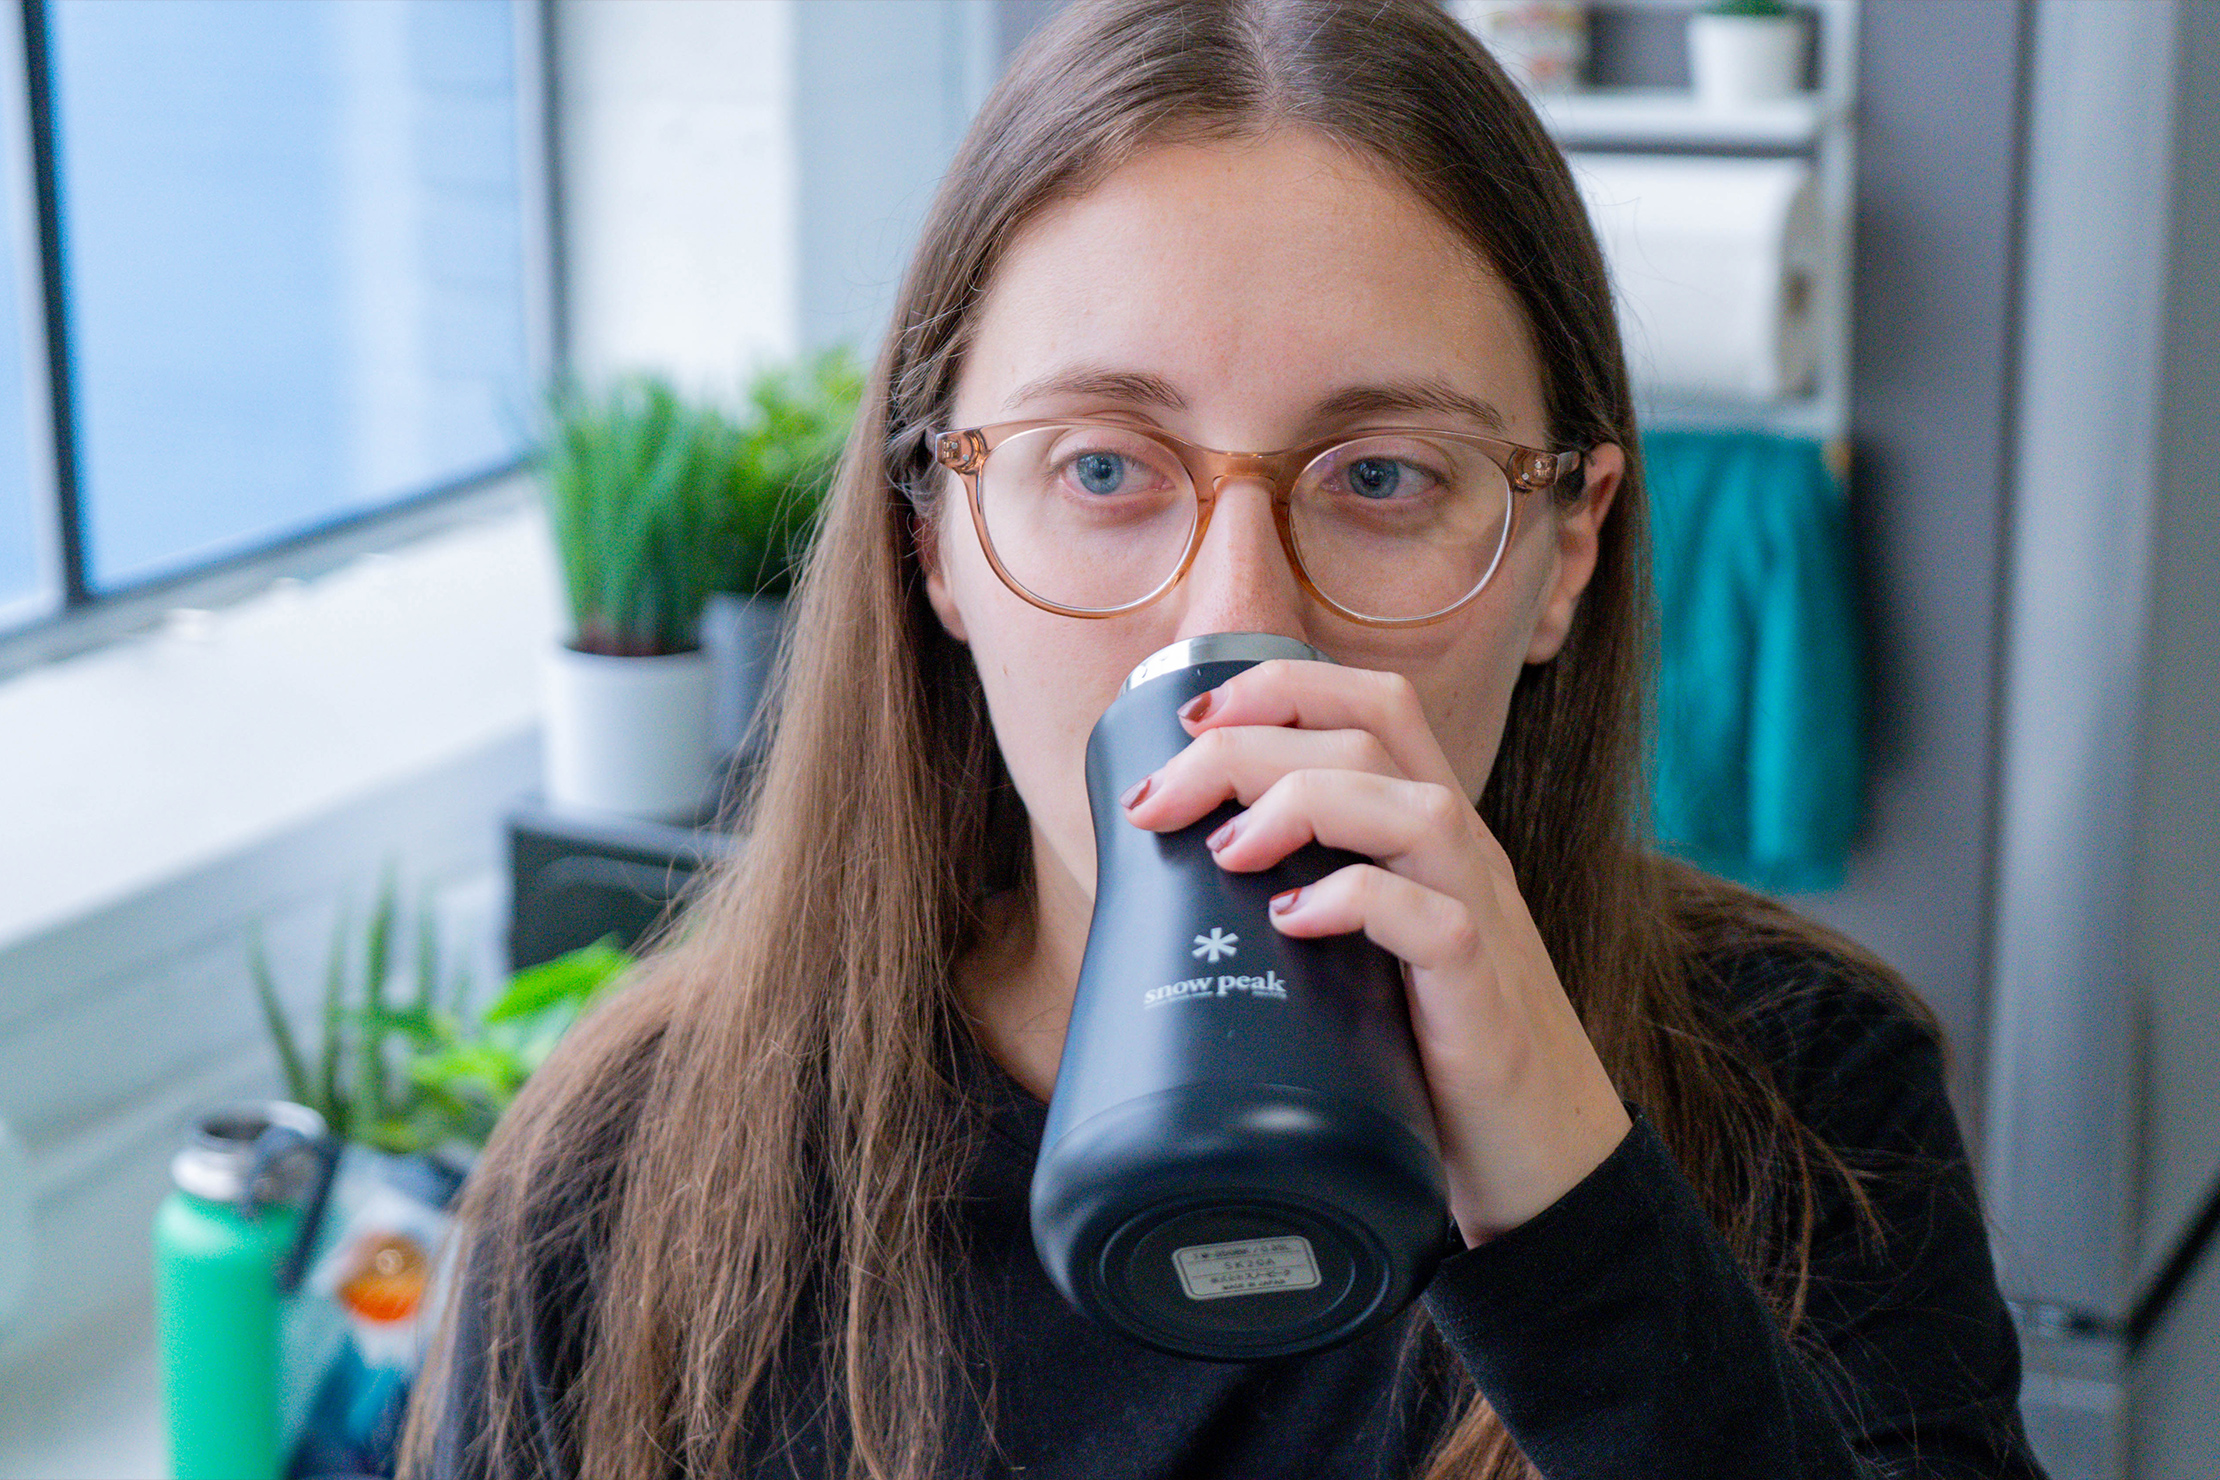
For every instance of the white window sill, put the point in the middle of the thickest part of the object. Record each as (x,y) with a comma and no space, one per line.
(137,763)
(89,1409)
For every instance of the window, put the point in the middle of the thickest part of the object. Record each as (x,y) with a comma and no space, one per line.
(30,578)
(284,252)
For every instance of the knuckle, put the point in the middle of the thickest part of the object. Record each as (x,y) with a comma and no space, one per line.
(1370,885)
(1398,693)
(1301,787)
(1440,807)
(1460,933)
(1258,679)
(1365,752)
(1219,747)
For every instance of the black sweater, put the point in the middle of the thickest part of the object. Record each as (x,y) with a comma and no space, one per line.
(1614,1333)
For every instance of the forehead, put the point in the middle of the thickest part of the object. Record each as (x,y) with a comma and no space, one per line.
(1257,277)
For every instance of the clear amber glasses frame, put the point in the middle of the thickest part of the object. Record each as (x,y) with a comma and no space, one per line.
(1525,469)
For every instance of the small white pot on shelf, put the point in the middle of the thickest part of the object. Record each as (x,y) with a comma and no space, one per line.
(628,735)
(1543,44)
(1736,60)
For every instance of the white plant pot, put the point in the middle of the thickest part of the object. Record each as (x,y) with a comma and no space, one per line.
(628,735)
(1734,60)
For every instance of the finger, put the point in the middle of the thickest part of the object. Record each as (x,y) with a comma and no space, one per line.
(1421,926)
(1328,696)
(1242,762)
(1424,832)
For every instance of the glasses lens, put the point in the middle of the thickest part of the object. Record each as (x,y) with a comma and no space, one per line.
(1093,518)
(1398,527)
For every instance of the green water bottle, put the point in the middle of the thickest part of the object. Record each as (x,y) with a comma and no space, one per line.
(227,1246)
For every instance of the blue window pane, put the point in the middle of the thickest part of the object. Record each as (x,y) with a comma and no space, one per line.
(28,586)
(294,238)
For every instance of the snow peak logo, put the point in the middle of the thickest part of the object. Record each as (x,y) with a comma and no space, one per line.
(1271,984)
(1217,943)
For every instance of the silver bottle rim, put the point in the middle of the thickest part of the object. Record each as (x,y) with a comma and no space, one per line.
(219,1156)
(1219,647)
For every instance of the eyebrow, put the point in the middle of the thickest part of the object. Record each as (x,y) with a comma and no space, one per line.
(1140,388)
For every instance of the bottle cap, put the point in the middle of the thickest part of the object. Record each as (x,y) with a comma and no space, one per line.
(1219,647)
(220,1159)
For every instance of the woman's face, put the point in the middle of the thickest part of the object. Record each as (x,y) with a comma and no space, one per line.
(1249,283)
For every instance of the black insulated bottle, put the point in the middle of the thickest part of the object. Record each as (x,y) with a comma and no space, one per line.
(1240,1159)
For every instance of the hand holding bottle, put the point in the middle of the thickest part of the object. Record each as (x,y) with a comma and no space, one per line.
(1344,756)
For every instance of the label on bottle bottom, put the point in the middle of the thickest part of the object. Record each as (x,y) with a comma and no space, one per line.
(1214,1271)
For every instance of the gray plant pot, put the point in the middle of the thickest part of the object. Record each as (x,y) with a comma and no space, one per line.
(742,635)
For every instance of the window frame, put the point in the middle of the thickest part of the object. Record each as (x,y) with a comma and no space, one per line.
(64,616)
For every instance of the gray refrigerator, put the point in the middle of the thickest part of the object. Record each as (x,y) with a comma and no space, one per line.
(2101,1108)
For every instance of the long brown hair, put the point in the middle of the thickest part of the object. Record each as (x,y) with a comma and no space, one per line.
(756,1147)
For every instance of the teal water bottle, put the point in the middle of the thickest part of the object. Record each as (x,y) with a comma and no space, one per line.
(227,1254)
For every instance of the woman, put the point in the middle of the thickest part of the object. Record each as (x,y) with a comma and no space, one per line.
(765,1212)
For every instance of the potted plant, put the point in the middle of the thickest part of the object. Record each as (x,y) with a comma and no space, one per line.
(657,503)
(798,419)
(411,1074)
(632,477)
(1746,51)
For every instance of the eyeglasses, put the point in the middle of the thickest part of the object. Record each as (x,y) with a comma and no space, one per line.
(1397,527)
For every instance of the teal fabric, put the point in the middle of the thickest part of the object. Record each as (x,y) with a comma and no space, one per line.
(1758,765)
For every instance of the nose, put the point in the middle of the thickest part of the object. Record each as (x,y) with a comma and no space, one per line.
(1240,580)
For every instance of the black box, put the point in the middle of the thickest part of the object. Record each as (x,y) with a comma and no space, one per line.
(574,879)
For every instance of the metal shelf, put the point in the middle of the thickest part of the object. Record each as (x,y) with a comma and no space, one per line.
(1818,126)
(1673,118)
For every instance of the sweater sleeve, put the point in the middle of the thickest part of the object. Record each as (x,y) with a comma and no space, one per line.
(1617,1335)
(464,1405)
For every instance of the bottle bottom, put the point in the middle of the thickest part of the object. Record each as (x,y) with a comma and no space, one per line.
(1239,1223)
(1239,1278)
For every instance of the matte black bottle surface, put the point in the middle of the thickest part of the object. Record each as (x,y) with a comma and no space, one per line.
(1240,1159)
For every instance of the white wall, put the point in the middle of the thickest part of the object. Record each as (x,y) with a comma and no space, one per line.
(675,135)
(890,92)
(745,179)
(248,768)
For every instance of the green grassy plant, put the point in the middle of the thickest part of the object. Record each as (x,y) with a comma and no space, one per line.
(1759,9)
(657,501)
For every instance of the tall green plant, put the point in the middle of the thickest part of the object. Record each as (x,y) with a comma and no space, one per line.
(634,479)
(799,419)
(414,1072)
(656,502)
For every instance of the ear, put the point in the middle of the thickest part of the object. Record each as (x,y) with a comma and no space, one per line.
(926,537)
(1579,540)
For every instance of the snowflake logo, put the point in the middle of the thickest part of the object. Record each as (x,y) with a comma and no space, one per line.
(1214,945)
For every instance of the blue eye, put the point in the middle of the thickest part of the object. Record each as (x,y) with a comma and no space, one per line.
(1375,477)
(1099,472)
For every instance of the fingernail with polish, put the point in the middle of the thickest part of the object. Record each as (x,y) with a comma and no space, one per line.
(1282,903)
(1137,790)
(1195,708)
(1223,835)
